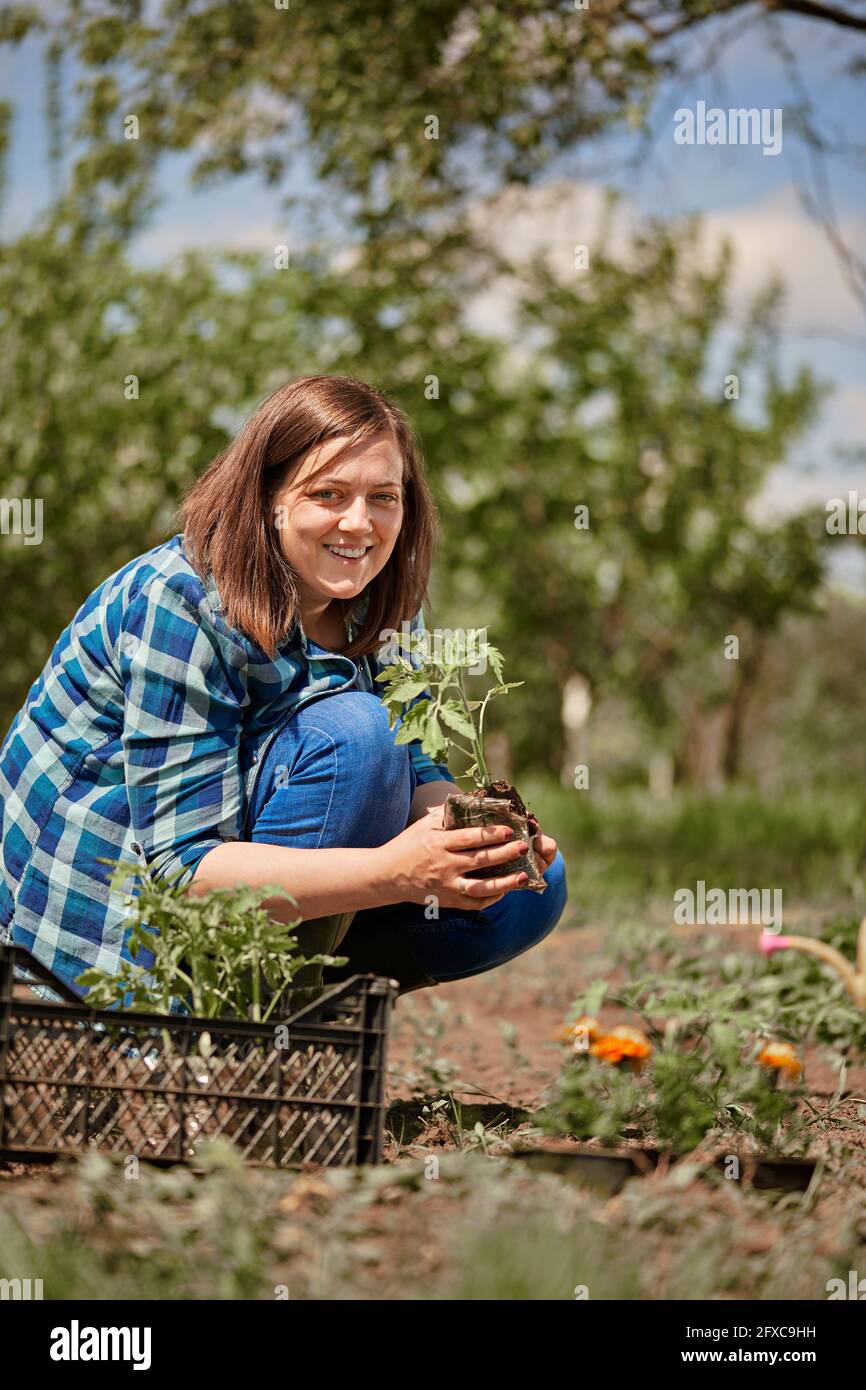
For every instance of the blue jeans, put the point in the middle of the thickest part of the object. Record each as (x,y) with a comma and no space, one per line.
(333,776)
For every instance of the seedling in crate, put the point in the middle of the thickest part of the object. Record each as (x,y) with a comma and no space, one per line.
(221,953)
(447,719)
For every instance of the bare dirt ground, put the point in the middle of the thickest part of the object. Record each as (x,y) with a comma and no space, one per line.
(495,1028)
(478,1223)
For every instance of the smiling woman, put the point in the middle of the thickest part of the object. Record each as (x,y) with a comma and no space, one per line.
(212,709)
(325,461)
(339,520)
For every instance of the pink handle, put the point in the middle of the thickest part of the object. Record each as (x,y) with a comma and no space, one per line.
(771,943)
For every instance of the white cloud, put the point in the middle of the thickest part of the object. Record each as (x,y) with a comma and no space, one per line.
(772,237)
(549,221)
(851,402)
(170,238)
(787,491)
(777,236)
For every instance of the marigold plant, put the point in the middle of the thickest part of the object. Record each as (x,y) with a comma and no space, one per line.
(672,1083)
(781,1057)
(622,1044)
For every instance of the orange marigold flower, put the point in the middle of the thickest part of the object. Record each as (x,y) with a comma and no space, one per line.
(781,1056)
(622,1044)
(583,1027)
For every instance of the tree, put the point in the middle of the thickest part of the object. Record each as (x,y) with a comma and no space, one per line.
(406,112)
(619,405)
(615,525)
(106,417)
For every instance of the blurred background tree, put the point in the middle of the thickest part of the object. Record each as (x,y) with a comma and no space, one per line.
(349,89)
(604,391)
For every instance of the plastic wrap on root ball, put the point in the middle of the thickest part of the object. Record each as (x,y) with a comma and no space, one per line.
(464,811)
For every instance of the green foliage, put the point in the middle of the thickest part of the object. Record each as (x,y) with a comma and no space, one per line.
(512,87)
(685,1104)
(164,1235)
(706,1008)
(792,995)
(619,407)
(219,951)
(107,417)
(595,1101)
(635,850)
(491,1230)
(436,721)
(670,555)
(526,1257)
(432,1071)
(685,1091)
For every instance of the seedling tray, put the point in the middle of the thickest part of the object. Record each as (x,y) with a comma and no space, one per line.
(605,1170)
(306,1089)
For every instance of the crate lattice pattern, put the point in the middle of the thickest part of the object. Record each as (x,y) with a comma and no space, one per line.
(303,1091)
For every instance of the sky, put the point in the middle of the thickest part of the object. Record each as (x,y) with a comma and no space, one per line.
(752,198)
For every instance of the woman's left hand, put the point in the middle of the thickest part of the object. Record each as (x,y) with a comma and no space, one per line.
(545,848)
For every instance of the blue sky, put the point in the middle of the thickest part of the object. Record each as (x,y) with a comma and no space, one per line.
(752,198)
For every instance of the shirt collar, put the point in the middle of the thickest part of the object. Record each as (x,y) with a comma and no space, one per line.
(213,593)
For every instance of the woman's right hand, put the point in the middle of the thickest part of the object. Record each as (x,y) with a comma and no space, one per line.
(427,860)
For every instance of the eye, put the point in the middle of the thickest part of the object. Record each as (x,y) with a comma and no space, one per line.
(324,492)
(387,496)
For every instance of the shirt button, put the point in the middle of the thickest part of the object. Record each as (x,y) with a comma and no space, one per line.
(255,757)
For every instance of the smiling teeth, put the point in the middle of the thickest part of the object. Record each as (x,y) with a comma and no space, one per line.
(349,554)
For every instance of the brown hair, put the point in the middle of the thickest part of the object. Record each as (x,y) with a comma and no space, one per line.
(228,514)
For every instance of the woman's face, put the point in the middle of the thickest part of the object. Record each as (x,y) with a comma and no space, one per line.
(338,531)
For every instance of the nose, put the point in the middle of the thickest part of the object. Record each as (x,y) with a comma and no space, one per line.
(355,517)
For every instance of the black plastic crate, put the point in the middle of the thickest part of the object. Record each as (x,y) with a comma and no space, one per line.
(73,1079)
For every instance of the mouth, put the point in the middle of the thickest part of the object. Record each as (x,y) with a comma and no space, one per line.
(349,554)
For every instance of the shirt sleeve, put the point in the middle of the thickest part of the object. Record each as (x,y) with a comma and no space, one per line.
(425,768)
(184,699)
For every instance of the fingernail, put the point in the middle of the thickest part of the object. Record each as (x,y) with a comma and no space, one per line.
(523,878)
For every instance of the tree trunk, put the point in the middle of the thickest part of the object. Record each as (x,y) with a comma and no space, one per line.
(702,759)
(747,679)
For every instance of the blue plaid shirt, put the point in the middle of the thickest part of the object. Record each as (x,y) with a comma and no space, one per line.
(141,740)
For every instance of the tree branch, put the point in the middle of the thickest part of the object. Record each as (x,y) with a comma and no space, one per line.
(813,10)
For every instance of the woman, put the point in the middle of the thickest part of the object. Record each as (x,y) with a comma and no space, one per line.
(211,709)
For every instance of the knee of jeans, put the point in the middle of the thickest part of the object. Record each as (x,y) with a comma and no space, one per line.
(549,906)
(517,923)
(358,719)
(557,886)
(361,715)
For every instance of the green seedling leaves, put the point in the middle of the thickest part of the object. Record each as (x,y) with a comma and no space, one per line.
(442,717)
(221,953)
(456,718)
(494,656)
(590,1001)
(402,691)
